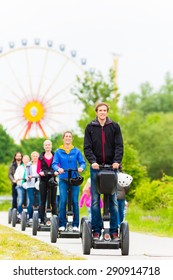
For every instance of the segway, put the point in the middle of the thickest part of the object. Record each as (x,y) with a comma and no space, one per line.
(36,225)
(10,210)
(68,232)
(14,215)
(24,218)
(106,185)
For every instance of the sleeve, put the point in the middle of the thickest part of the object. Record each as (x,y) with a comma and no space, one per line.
(38,166)
(10,173)
(88,146)
(81,160)
(81,202)
(119,147)
(56,162)
(101,203)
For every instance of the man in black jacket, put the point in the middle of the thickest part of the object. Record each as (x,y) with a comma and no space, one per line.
(103,144)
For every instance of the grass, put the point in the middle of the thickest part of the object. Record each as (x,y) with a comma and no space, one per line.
(17,246)
(157,222)
(13,245)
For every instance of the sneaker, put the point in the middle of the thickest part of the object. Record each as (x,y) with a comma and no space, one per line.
(41,223)
(75,229)
(30,221)
(96,236)
(114,236)
(61,228)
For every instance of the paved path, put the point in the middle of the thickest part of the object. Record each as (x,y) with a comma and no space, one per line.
(142,246)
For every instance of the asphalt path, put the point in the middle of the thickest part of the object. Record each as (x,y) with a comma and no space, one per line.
(142,246)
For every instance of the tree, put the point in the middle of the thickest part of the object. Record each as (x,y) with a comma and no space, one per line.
(94,88)
(7,146)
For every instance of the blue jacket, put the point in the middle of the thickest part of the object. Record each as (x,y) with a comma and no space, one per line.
(73,160)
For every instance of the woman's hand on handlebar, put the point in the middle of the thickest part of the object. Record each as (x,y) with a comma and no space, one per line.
(60,170)
(56,173)
(80,169)
(95,165)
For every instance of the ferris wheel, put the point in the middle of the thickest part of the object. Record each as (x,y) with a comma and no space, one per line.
(35,88)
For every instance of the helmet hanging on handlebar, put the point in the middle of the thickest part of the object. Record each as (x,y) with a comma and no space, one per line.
(76,181)
(124,180)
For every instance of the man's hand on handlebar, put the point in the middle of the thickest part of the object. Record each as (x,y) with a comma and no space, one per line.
(95,165)
(115,165)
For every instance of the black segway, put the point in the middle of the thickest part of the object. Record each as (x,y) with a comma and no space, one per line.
(68,233)
(106,185)
(14,214)
(24,218)
(36,225)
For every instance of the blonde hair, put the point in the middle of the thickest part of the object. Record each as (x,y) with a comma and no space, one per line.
(34,152)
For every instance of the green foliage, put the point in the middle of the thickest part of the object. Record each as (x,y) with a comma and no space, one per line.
(152,137)
(156,194)
(148,101)
(5,184)
(132,166)
(94,88)
(7,146)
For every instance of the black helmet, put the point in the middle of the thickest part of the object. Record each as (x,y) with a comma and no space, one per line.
(76,181)
(52,182)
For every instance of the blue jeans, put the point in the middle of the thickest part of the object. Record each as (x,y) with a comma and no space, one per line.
(63,187)
(96,219)
(20,198)
(32,200)
(121,206)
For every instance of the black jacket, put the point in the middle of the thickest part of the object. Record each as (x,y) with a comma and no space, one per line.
(103,144)
(48,170)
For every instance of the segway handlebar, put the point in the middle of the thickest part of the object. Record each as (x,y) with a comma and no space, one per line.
(106,166)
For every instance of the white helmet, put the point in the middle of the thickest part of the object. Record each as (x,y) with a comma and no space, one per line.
(124,180)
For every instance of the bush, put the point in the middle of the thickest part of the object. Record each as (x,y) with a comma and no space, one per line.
(5,184)
(155,194)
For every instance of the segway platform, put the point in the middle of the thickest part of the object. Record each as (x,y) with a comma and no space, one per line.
(69,234)
(102,244)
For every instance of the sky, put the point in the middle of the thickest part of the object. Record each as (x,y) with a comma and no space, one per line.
(138,32)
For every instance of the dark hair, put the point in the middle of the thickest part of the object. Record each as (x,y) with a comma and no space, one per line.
(14,158)
(101,104)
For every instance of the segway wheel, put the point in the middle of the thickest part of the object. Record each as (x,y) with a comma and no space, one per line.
(81,225)
(86,237)
(124,238)
(9,216)
(14,217)
(23,221)
(54,229)
(34,223)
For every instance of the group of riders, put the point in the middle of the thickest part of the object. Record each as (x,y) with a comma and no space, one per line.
(32,176)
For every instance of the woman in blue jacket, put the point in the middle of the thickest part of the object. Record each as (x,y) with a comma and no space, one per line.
(68,157)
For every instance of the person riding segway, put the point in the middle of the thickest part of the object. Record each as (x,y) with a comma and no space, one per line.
(107,185)
(69,231)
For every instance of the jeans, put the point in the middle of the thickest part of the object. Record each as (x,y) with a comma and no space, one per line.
(20,198)
(121,206)
(63,187)
(33,199)
(96,220)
